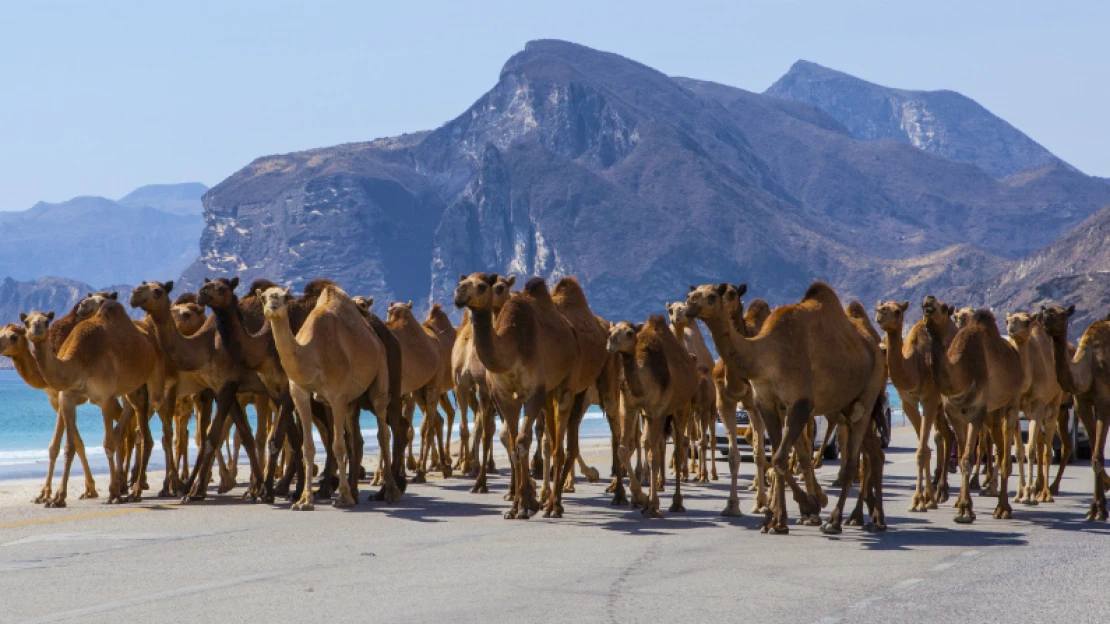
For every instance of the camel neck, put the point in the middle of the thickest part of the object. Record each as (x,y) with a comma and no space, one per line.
(186,353)
(900,374)
(1070,376)
(289,350)
(490,344)
(632,375)
(738,352)
(942,373)
(53,370)
(27,367)
(248,350)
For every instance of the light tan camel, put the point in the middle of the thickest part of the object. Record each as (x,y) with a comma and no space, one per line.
(1040,401)
(472,393)
(440,326)
(809,358)
(14,344)
(338,357)
(910,367)
(189,318)
(660,380)
(980,376)
(1087,377)
(704,407)
(422,377)
(104,358)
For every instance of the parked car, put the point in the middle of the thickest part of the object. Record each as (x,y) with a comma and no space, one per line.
(1080,441)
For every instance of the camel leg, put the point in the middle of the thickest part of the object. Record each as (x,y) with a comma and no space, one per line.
(857,426)
(54,448)
(449,410)
(341,415)
(932,406)
(68,411)
(526,488)
(703,445)
(302,401)
(512,436)
(910,408)
(465,461)
(166,414)
(1102,420)
(111,412)
(1000,427)
(1063,426)
(545,442)
(815,498)
(395,479)
(483,426)
(653,428)
(264,414)
(274,443)
(196,486)
(569,413)
(442,442)
(420,471)
(732,507)
(775,518)
(147,445)
(1026,455)
(945,442)
(410,436)
(681,423)
(617,469)
(819,456)
(537,459)
(965,513)
(1044,493)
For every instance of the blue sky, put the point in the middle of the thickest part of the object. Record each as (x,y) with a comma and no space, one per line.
(100,98)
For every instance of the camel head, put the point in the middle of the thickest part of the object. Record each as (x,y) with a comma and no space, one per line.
(936,312)
(678,313)
(364,303)
(399,310)
(37,325)
(93,302)
(475,291)
(962,316)
(13,339)
(707,301)
(275,301)
(622,338)
(218,294)
(152,296)
(889,315)
(1055,320)
(1019,325)
(188,316)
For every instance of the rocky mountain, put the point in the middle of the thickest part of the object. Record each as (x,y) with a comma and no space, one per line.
(96,240)
(179,199)
(939,122)
(587,163)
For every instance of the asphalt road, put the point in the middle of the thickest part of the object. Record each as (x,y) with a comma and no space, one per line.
(444,554)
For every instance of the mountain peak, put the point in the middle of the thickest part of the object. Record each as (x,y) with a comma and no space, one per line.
(944,122)
(182,198)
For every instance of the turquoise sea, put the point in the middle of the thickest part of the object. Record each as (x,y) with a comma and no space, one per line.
(27,425)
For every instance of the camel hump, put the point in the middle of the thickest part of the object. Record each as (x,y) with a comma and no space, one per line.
(658,321)
(259,284)
(188,297)
(114,311)
(313,289)
(536,287)
(822,293)
(569,291)
(650,349)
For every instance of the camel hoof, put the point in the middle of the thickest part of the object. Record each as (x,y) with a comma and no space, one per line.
(447,472)
(619,500)
(814,520)
(568,488)
(973,483)
(780,530)
(965,518)
(304,507)
(831,529)
(479,489)
(650,512)
(339,503)
(677,508)
(753,487)
(732,509)
(524,514)
(1054,489)
(872,527)
(419,478)
(507,497)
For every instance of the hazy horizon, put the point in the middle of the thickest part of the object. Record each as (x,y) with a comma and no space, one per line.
(104,99)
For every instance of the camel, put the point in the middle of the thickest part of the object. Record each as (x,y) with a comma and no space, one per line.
(533,359)
(810,359)
(472,391)
(704,409)
(104,358)
(980,376)
(421,379)
(960,316)
(440,326)
(336,356)
(1040,401)
(1087,378)
(189,318)
(14,344)
(909,364)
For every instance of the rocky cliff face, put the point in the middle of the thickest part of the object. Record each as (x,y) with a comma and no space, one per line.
(586,163)
(939,122)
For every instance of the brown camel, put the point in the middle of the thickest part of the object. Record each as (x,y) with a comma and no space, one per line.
(14,344)
(980,376)
(338,357)
(660,380)
(472,391)
(1040,401)
(809,358)
(1087,377)
(104,358)
(422,377)
(909,364)
(532,361)
(205,360)
(704,408)
(440,326)
(189,318)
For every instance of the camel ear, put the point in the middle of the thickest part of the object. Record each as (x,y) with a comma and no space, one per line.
(741,289)
(409,304)
(1071,310)
(234,283)
(492,278)
(904,305)
(722,288)
(947,309)
(50,315)
(462,277)
(510,280)
(19,329)
(87,295)
(206,280)
(168,286)
(639,327)
(669,306)
(22,317)
(693,288)
(114,295)
(369,302)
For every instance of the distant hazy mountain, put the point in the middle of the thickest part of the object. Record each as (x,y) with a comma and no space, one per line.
(941,122)
(180,199)
(587,163)
(97,241)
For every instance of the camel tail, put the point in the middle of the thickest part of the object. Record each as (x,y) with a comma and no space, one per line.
(878,414)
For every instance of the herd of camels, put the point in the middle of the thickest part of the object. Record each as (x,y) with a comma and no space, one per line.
(317,360)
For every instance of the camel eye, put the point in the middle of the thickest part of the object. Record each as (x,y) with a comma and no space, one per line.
(481,288)
(157,292)
(712,298)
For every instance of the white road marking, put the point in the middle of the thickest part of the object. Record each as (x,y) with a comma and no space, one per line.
(173,593)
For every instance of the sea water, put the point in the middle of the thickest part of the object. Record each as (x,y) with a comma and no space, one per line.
(27,425)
